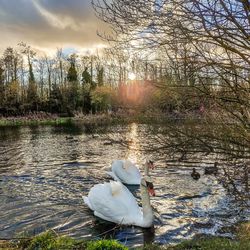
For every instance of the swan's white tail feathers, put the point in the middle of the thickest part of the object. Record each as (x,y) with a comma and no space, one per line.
(87,202)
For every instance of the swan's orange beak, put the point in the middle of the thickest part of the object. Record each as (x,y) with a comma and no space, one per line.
(151,191)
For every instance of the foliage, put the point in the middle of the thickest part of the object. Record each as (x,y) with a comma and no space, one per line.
(72,93)
(56,101)
(72,73)
(50,241)
(105,245)
(173,98)
(151,247)
(12,91)
(24,121)
(85,90)
(86,77)
(59,84)
(103,97)
(244,231)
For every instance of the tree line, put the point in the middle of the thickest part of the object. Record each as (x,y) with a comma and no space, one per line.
(58,84)
(66,83)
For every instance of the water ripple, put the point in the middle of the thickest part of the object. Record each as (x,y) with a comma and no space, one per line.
(45,171)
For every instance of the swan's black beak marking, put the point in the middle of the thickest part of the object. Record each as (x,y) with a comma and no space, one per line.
(150,187)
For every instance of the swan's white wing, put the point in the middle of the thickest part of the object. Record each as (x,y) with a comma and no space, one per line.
(114,202)
(129,174)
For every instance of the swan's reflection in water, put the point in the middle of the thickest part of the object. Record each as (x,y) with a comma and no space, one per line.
(148,235)
(109,230)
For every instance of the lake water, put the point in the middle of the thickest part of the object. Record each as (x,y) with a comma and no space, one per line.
(45,171)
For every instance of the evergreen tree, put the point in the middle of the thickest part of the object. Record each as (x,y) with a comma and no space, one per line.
(73,96)
(86,87)
(32,89)
(86,77)
(56,100)
(32,95)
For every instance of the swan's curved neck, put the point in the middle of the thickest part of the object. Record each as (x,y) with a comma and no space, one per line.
(148,216)
(146,169)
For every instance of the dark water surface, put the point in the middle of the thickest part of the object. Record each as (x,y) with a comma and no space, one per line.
(45,171)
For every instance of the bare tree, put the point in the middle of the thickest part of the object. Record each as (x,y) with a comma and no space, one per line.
(205,46)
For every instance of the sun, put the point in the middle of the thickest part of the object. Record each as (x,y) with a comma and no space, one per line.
(131,76)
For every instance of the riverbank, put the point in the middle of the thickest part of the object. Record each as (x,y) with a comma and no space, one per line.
(50,240)
(33,119)
(43,118)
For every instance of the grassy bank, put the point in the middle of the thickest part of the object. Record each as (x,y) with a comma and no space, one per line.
(20,122)
(51,241)
(34,119)
(94,120)
(42,118)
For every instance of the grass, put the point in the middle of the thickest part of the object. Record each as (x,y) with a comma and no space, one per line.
(30,122)
(51,241)
(214,243)
(243,231)
(97,119)
(105,245)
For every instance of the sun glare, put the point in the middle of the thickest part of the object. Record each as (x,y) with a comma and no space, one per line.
(131,76)
(133,152)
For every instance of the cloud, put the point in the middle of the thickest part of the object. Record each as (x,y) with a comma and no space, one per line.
(53,19)
(49,23)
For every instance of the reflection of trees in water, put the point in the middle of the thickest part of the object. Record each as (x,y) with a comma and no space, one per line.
(12,149)
(10,133)
(235,178)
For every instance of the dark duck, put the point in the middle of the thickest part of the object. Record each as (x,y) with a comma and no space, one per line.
(212,170)
(195,175)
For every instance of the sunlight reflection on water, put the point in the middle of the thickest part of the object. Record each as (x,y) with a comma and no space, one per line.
(133,151)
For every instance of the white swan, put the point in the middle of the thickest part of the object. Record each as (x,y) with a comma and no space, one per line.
(114,202)
(127,172)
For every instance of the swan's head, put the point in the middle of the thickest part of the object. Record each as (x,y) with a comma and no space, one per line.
(148,184)
(150,164)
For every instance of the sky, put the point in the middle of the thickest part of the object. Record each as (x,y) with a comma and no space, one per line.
(50,24)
